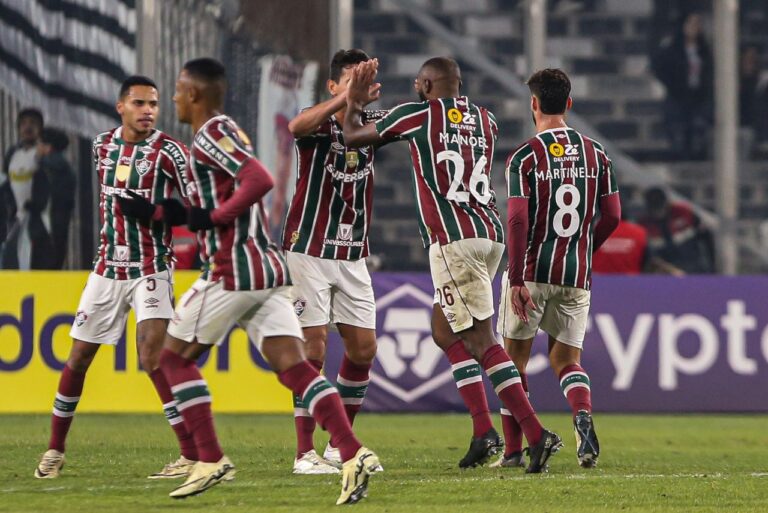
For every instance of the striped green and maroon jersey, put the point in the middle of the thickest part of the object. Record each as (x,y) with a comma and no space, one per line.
(152,168)
(451,142)
(240,253)
(564,174)
(331,209)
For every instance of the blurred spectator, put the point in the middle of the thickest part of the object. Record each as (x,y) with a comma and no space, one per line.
(753,93)
(684,65)
(676,235)
(185,248)
(50,151)
(28,245)
(625,251)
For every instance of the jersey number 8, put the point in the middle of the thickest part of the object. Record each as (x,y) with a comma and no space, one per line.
(478,183)
(567,208)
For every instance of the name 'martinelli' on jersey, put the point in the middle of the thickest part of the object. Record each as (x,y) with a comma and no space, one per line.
(153,169)
(563,174)
(452,142)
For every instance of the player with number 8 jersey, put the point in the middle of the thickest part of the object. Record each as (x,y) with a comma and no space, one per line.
(563,204)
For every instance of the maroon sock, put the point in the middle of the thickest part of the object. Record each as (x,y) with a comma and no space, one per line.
(469,381)
(513,434)
(352,383)
(303,421)
(193,402)
(323,402)
(185,438)
(575,385)
(67,397)
(508,385)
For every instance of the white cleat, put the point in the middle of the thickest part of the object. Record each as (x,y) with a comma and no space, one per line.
(332,455)
(175,469)
(203,476)
(50,465)
(311,463)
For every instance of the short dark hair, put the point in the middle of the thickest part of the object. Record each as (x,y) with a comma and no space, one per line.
(55,137)
(135,80)
(553,88)
(344,58)
(207,69)
(30,112)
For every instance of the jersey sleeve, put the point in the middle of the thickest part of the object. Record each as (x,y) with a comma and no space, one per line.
(607,182)
(519,164)
(323,131)
(403,120)
(175,162)
(224,143)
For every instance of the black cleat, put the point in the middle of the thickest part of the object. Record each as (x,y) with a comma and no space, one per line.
(588,448)
(481,448)
(540,453)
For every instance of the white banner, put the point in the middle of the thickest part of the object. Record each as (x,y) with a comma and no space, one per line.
(286,87)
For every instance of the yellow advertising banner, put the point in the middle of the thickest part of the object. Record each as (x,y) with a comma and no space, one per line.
(36,312)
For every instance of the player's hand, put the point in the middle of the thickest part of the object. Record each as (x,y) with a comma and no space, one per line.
(522,302)
(136,207)
(174,212)
(199,219)
(361,88)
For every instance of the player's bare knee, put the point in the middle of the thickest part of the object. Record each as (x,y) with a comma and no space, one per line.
(362,354)
(282,353)
(81,356)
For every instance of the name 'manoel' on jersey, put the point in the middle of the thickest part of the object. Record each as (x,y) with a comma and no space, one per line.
(563,174)
(452,142)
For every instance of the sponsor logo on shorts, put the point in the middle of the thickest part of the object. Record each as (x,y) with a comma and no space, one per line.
(299,306)
(450,317)
(80,317)
(151,302)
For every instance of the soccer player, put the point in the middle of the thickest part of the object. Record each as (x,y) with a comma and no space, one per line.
(563,204)
(245,282)
(326,243)
(132,269)
(451,141)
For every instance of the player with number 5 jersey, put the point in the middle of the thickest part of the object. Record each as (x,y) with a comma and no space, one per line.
(133,267)
(451,144)
(563,204)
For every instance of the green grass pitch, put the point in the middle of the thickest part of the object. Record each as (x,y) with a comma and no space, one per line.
(649,463)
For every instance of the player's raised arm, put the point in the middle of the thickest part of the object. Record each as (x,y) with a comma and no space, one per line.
(360,92)
(309,120)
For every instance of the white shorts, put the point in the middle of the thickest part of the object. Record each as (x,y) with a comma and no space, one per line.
(105,303)
(560,311)
(325,290)
(206,313)
(462,273)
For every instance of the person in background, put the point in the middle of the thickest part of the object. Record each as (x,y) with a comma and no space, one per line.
(676,235)
(684,65)
(51,159)
(28,245)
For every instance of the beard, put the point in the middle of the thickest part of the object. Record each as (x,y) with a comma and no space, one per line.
(533,117)
(422,97)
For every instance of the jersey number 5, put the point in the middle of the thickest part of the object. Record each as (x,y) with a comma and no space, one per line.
(478,183)
(567,208)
